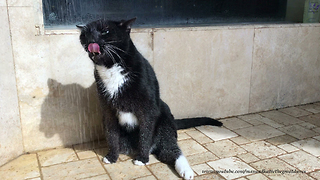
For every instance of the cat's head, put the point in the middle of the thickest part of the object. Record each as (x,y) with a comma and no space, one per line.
(104,40)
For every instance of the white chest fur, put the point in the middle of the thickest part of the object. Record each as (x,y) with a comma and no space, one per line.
(127,118)
(112,78)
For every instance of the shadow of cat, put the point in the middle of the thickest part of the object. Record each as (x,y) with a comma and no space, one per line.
(72,112)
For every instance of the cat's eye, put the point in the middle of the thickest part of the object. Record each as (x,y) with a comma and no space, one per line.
(105,32)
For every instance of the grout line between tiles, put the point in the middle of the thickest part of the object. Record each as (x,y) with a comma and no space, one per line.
(39,166)
(101,163)
(66,162)
(147,166)
(75,152)
(293,166)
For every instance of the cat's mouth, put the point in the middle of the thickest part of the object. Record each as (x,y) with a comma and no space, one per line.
(94,49)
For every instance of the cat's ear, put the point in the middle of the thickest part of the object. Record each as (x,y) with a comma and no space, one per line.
(81,27)
(127,24)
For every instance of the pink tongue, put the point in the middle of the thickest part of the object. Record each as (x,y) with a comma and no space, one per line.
(94,48)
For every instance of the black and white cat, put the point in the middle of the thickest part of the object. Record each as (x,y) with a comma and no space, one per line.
(135,119)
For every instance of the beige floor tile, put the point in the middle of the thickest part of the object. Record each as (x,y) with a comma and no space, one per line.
(298,131)
(234,123)
(90,145)
(313,119)
(56,156)
(37,178)
(311,146)
(274,164)
(249,117)
(209,177)
(216,133)
(314,108)
(307,125)
(99,177)
(252,119)
(317,138)
(201,169)
(73,170)
(225,148)
(263,149)
(201,158)
(240,140)
(259,132)
(243,178)
(163,171)
(248,157)
(270,122)
(86,154)
(316,174)
(126,170)
(190,147)
(199,137)
(280,117)
(23,167)
(257,177)
(295,112)
(288,147)
(232,164)
(302,161)
(185,130)
(101,152)
(182,136)
(317,130)
(153,159)
(285,139)
(124,157)
(147,178)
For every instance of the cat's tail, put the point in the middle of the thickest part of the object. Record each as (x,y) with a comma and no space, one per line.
(193,122)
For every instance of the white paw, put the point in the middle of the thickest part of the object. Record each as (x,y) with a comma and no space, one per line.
(105,160)
(183,168)
(139,163)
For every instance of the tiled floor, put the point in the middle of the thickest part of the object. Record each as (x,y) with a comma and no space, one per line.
(270,142)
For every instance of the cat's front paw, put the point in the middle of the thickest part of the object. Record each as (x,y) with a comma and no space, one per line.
(139,163)
(109,159)
(105,160)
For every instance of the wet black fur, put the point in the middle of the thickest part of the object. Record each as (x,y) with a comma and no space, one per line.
(156,132)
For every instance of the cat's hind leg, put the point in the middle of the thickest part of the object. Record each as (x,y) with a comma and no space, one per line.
(172,155)
(183,168)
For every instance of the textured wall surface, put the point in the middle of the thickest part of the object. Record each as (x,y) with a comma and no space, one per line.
(286,67)
(11,144)
(202,71)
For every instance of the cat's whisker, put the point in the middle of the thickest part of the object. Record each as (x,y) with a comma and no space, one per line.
(107,50)
(113,58)
(115,52)
(113,41)
(115,47)
(111,50)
